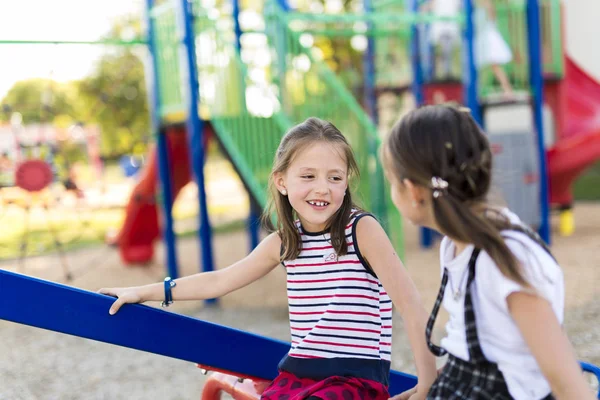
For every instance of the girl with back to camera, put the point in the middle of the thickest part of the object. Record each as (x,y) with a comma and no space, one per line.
(502,288)
(342,277)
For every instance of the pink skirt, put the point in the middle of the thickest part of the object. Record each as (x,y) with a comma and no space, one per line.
(288,387)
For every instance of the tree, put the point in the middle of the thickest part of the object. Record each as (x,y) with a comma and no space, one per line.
(37,100)
(114,98)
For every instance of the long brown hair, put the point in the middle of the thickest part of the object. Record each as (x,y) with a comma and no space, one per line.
(299,137)
(446,142)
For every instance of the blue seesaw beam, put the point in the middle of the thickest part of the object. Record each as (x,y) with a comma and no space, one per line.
(594,370)
(77,312)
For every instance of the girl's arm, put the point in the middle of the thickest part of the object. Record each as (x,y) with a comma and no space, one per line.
(207,285)
(549,344)
(377,249)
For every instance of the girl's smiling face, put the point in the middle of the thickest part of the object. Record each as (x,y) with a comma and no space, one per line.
(316,182)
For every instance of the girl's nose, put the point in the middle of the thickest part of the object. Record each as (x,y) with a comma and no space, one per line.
(322,187)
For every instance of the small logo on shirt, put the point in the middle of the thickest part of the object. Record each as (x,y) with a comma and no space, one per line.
(330,257)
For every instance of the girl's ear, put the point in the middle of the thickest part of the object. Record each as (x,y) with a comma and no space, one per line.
(417,193)
(279,181)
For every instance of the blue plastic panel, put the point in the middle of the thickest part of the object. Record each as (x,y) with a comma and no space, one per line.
(77,312)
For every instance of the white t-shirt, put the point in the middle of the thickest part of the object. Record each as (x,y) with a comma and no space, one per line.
(446,8)
(500,338)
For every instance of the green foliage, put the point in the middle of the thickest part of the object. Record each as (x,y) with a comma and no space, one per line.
(37,100)
(587,187)
(114,98)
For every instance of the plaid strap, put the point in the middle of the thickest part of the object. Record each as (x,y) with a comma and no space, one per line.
(533,235)
(475,353)
(436,350)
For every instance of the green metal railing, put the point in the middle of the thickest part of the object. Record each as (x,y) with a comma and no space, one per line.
(389,30)
(168,68)
(245,112)
(249,137)
(102,42)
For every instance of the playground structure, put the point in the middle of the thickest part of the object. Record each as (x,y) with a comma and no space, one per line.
(570,93)
(297,83)
(213,91)
(248,118)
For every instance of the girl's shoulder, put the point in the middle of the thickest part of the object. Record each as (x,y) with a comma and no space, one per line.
(538,267)
(358,213)
(520,238)
(528,249)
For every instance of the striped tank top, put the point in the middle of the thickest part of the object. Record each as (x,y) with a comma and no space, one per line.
(340,314)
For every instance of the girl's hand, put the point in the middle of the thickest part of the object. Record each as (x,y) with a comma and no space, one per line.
(406,395)
(411,394)
(124,296)
(414,394)
(418,396)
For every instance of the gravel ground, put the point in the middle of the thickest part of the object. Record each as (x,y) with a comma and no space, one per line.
(38,364)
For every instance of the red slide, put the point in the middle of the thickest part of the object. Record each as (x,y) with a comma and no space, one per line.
(141,226)
(578,143)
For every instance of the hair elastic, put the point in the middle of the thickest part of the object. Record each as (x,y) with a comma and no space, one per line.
(439,186)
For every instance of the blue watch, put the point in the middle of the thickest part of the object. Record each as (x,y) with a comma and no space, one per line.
(169,283)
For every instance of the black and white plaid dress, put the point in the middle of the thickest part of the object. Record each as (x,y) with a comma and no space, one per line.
(476,379)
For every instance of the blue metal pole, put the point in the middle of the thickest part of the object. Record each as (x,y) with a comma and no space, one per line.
(162,151)
(427,50)
(281,47)
(537,90)
(370,102)
(415,57)
(431,61)
(369,95)
(195,131)
(470,80)
(284,5)
(425,234)
(236,24)
(253,223)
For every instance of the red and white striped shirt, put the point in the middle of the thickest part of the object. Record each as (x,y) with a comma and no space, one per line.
(338,309)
